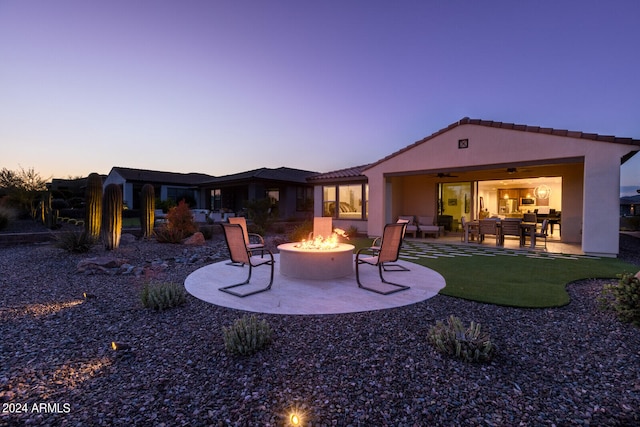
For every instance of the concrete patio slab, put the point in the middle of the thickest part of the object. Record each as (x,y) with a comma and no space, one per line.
(296,296)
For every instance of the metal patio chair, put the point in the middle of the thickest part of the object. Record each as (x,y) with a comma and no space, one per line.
(387,252)
(240,255)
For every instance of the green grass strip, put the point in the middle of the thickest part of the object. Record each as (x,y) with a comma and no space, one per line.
(517,281)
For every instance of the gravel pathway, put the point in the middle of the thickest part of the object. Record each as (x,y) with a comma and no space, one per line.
(573,365)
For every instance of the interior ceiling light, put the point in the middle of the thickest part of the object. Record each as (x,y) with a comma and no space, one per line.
(542,191)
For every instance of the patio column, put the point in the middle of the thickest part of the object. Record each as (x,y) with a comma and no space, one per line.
(601,216)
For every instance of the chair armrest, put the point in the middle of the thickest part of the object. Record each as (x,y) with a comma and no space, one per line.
(372,250)
(255,238)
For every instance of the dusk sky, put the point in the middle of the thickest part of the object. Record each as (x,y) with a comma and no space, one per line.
(220,87)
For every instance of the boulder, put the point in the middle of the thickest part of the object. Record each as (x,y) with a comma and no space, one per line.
(99,265)
(196,240)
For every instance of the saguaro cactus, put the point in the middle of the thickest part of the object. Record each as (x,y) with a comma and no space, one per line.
(93,206)
(48,214)
(112,216)
(147,212)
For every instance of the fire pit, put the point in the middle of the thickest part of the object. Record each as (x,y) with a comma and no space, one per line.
(318,259)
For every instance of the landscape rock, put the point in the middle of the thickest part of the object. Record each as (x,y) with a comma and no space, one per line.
(565,366)
(197,239)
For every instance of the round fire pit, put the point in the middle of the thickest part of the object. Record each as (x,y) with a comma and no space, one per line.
(316,264)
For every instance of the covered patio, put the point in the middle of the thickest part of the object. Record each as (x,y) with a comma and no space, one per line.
(474,168)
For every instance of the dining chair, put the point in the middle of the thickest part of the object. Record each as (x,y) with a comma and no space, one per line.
(542,234)
(511,227)
(488,226)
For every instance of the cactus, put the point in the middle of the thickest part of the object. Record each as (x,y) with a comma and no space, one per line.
(162,296)
(93,206)
(469,344)
(147,213)
(48,215)
(112,216)
(247,335)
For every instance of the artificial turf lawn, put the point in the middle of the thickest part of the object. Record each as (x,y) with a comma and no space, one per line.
(518,281)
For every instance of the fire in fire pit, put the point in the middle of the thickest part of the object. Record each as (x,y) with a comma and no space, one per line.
(320,243)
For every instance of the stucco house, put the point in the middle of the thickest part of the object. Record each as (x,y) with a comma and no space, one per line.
(477,167)
(167,185)
(290,193)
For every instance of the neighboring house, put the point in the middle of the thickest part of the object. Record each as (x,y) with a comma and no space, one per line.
(475,167)
(70,189)
(342,195)
(290,194)
(630,206)
(167,185)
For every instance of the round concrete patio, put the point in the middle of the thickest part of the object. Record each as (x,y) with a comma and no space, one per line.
(296,296)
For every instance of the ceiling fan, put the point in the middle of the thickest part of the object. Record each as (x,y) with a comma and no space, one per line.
(445,175)
(511,171)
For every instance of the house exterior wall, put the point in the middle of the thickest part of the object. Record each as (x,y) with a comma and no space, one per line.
(342,223)
(591,175)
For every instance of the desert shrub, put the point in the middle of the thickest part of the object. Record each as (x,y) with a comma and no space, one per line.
(261,212)
(161,296)
(6,216)
(623,298)
(301,232)
(180,224)
(255,229)
(165,205)
(59,204)
(468,344)
(247,335)
(74,242)
(207,231)
(352,231)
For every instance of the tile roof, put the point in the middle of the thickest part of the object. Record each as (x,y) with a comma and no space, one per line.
(283,174)
(518,127)
(151,176)
(630,200)
(352,172)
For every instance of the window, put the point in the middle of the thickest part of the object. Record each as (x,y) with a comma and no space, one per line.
(329,201)
(177,194)
(304,199)
(273,195)
(348,201)
(216,200)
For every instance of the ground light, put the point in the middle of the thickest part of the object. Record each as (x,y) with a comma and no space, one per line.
(296,417)
(294,420)
(119,346)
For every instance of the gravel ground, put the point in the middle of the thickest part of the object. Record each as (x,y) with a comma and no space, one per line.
(573,365)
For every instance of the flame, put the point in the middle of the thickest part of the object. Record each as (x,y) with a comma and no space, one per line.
(321,243)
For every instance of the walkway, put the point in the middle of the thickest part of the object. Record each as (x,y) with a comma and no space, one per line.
(295,296)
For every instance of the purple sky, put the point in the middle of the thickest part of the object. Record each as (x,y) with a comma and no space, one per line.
(221,87)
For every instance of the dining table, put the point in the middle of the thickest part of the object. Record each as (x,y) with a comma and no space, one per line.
(528,228)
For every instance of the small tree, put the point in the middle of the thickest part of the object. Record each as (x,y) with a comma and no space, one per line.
(23,188)
(259,212)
